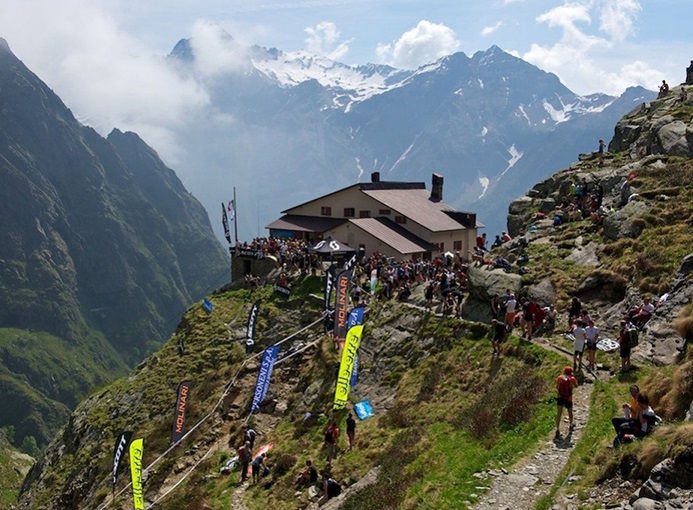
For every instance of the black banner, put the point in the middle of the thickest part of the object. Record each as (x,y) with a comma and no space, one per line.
(282,289)
(247,252)
(341,303)
(179,414)
(121,446)
(329,285)
(225,222)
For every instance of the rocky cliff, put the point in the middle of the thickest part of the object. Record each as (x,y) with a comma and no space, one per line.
(101,250)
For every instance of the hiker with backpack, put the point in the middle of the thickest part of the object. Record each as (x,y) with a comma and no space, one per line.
(331,488)
(627,336)
(331,435)
(565,383)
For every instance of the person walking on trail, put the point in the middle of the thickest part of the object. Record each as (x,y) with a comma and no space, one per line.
(351,430)
(565,383)
(580,336)
(245,454)
(331,435)
(258,465)
(592,338)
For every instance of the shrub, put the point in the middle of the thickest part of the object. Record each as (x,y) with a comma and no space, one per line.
(282,464)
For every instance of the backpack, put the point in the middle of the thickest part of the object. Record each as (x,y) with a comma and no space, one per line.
(333,488)
(329,435)
(633,337)
(565,386)
(241,453)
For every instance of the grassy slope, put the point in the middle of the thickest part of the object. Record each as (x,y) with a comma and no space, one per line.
(12,464)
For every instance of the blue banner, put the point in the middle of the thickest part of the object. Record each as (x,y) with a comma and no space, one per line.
(207,305)
(355,317)
(263,377)
(363,409)
(355,373)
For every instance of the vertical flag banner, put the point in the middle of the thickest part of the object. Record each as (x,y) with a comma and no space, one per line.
(263,377)
(179,414)
(351,262)
(252,319)
(346,367)
(329,285)
(355,373)
(232,211)
(341,303)
(355,319)
(121,446)
(225,222)
(136,455)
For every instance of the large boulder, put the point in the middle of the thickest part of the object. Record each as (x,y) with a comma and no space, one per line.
(622,223)
(674,137)
(483,284)
(543,293)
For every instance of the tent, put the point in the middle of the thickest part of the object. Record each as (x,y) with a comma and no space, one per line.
(329,246)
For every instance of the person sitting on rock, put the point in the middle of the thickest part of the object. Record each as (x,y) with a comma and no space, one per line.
(497,242)
(309,475)
(640,315)
(664,89)
(683,96)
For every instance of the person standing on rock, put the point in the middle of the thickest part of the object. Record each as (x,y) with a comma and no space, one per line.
(245,455)
(565,383)
(624,346)
(510,306)
(331,436)
(600,152)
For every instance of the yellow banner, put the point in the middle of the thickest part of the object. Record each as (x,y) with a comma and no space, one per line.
(136,454)
(351,345)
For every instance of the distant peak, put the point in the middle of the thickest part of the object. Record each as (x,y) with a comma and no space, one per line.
(4,45)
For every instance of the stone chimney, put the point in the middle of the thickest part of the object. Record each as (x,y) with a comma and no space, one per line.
(375,177)
(437,188)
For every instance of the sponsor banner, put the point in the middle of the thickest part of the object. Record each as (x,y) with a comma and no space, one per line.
(136,455)
(252,319)
(207,305)
(341,302)
(329,285)
(247,252)
(121,446)
(363,409)
(346,367)
(179,415)
(282,289)
(263,377)
(355,317)
(355,373)
(350,262)
(225,222)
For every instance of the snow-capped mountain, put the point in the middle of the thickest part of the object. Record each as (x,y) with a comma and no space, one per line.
(286,127)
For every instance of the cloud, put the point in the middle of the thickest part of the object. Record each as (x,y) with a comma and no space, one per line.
(617,18)
(583,54)
(421,45)
(216,52)
(489,30)
(108,78)
(322,40)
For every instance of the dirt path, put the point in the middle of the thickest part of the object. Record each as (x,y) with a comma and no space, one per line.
(522,485)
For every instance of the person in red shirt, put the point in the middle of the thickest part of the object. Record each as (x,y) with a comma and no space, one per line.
(565,383)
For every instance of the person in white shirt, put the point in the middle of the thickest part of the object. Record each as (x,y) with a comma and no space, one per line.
(578,343)
(591,339)
(510,307)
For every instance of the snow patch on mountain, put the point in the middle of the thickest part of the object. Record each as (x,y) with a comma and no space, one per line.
(484,181)
(515,156)
(401,158)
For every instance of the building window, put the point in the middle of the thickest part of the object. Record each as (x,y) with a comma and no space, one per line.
(326,211)
(440,247)
(364,214)
(349,212)
(385,212)
(457,245)
(400,219)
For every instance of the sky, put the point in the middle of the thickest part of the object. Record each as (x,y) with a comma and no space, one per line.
(106,58)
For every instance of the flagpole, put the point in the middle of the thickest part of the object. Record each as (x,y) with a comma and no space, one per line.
(235,214)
